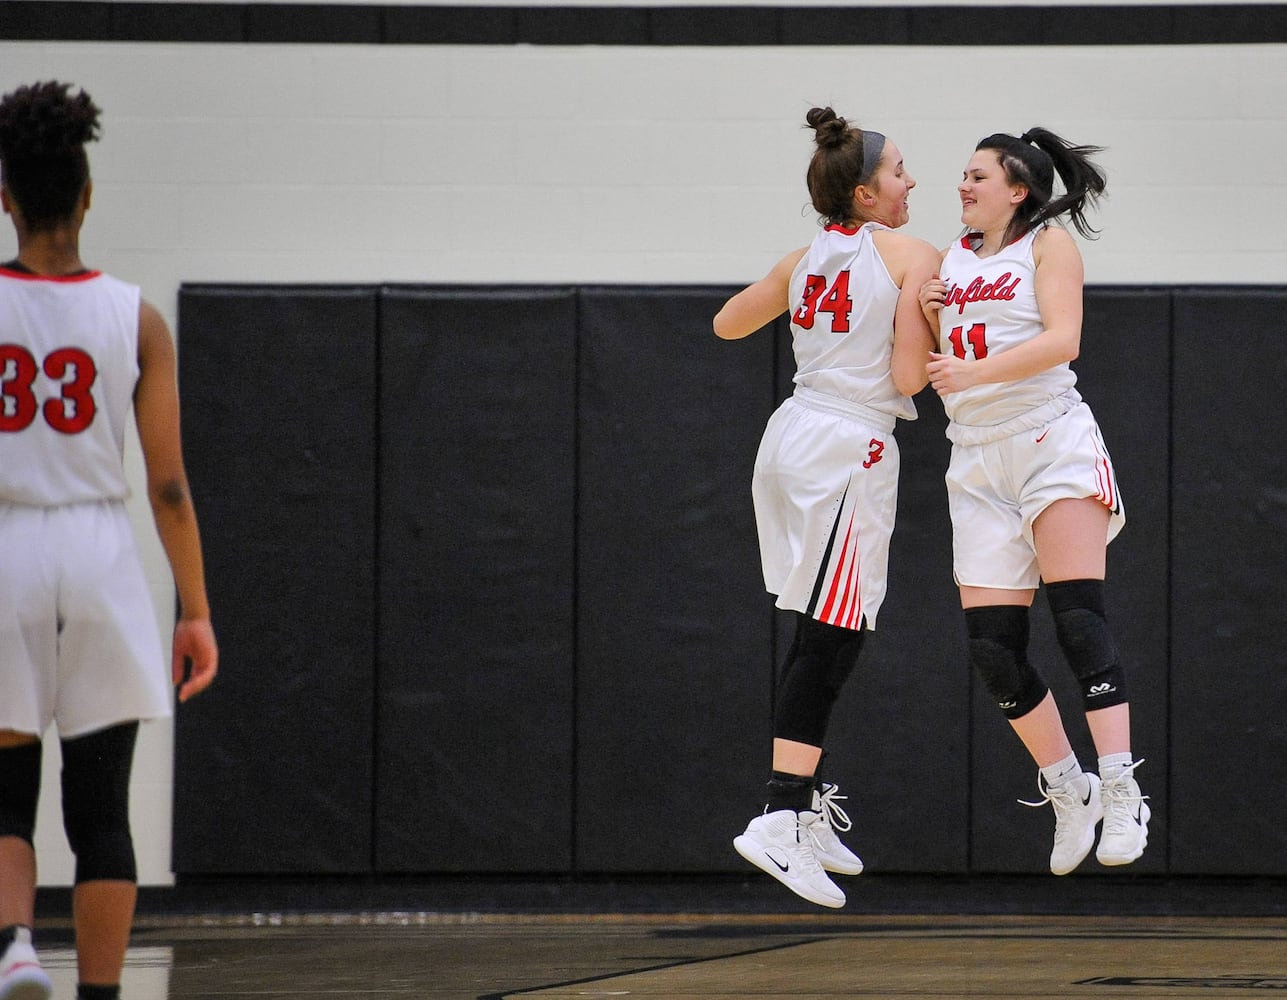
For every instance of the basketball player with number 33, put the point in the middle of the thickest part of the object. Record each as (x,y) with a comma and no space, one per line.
(79,647)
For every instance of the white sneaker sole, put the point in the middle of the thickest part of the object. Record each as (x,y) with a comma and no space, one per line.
(33,986)
(1109,859)
(840,866)
(750,849)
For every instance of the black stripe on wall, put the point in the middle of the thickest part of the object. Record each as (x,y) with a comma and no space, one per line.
(74,20)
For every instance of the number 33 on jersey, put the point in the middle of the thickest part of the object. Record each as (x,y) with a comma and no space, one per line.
(70,412)
(68,369)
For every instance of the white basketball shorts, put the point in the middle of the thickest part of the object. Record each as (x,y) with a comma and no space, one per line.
(995,491)
(79,643)
(825,491)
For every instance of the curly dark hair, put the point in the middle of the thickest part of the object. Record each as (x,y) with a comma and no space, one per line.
(43,131)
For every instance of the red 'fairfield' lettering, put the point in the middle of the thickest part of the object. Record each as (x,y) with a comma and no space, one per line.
(976,291)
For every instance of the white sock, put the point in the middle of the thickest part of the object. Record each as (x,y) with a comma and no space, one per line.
(1112,765)
(1061,771)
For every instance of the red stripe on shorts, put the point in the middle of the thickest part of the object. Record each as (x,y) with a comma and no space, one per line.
(1104,475)
(849,609)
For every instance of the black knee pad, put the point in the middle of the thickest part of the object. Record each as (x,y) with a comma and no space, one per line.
(19,790)
(999,653)
(96,803)
(1078,609)
(819,663)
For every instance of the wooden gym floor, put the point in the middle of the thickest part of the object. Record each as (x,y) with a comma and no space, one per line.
(789,952)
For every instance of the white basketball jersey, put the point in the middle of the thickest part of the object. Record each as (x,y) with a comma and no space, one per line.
(842,309)
(991,307)
(68,367)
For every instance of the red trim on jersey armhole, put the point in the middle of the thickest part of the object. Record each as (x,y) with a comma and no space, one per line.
(1034,229)
(61,278)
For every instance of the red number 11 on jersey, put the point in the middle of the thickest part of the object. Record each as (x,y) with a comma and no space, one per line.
(977,336)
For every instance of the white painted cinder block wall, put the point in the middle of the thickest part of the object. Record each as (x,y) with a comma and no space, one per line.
(658,165)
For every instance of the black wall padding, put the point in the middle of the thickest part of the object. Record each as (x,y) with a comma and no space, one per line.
(485,574)
(273,764)
(1228,585)
(639,25)
(674,628)
(1123,373)
(478,460)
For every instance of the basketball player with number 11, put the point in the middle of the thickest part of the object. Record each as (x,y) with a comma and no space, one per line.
(1031,488)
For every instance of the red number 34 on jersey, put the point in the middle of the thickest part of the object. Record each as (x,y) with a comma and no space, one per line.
(819,298)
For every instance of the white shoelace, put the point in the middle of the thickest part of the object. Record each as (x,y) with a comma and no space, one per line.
(806,846)
(1062,797)
(1119,799)
(832,814)
(1064,800)
(1067,803)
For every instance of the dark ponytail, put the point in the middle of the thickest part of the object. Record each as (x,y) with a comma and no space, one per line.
(1033,159)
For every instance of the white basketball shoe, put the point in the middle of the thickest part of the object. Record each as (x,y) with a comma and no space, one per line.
(1077,811)
(783,844)
(21,977)
(1126,814)
(833,855)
